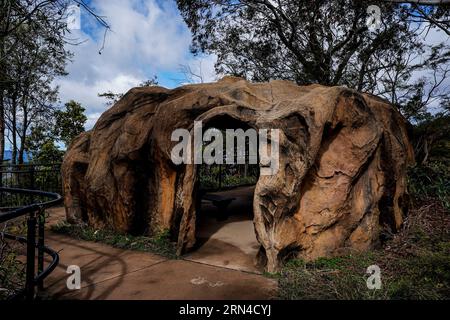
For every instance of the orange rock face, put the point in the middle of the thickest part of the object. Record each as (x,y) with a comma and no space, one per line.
(341,178)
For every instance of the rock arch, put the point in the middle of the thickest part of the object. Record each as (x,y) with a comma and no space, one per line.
(342,177)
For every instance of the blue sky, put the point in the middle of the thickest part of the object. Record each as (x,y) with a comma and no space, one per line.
(148,38)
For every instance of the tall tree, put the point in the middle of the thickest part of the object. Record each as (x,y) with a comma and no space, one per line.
(32,38)
(63,126)
(404,57)
(325,41)
(39,57)
(41,145)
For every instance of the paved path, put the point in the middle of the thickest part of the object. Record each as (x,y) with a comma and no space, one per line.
(111,273)
(231,243)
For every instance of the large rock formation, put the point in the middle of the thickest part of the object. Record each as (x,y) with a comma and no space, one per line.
(341,182)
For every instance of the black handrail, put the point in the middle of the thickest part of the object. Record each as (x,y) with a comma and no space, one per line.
(36,216)
(33,176)
(8,165)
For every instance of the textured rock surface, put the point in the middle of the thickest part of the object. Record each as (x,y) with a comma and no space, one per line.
(342,177)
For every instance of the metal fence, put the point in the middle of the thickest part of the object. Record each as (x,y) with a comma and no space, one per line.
(225,176)
(43,177)
(34,212)
(26,190)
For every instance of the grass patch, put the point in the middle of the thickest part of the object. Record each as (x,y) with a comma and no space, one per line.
(414,264)
(159,244)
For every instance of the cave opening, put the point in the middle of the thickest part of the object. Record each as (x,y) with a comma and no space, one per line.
(225,233)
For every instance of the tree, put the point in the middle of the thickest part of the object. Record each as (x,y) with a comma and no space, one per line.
(37,59)
(37,138)
(70,122)
(24,26)
(325,42)
(63,126)
(49,153)
(112,98)
(191,73)
(33,35)
(41,145)
(436,16)
(328,42)
(16,14)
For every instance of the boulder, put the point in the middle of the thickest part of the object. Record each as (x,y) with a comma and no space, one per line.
(341,181)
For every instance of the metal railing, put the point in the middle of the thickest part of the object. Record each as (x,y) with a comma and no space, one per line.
(226,176)
(35,213)
(32,176)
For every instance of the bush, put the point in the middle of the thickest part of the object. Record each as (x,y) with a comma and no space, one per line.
(430,180)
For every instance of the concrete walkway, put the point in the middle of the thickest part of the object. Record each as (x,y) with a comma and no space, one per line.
(231,243)
(111,273)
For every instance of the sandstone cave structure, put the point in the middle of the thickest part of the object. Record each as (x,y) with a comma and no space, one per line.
(341,181)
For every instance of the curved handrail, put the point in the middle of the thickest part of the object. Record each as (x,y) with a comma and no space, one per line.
(31,209)
(53,264)
(17,212)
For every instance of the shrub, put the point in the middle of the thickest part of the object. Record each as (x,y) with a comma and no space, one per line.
(430,180)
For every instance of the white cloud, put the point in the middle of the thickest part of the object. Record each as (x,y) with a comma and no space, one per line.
(87,93)
(148,38)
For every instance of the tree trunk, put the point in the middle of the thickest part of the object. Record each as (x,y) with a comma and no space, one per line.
(425,152)
(14,130)
(2,103)
(2,124)
(23,135)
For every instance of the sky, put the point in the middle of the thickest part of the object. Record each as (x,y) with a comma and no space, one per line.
(147,38)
